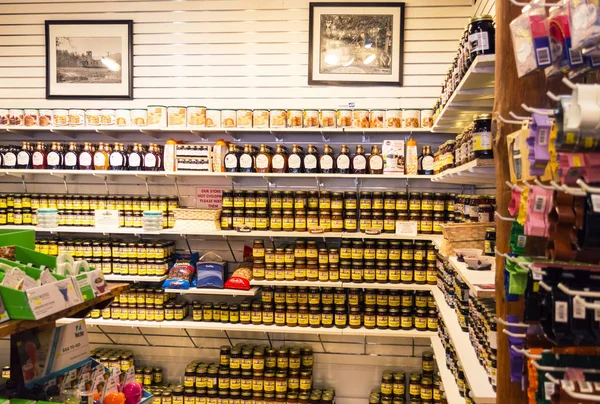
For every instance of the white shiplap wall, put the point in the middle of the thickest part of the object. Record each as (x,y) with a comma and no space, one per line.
(483,7)
(224,53)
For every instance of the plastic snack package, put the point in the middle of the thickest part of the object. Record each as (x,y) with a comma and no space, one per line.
(181,274)
(530,39)
(210,271)
(563,55)
(584,23)
(241,277)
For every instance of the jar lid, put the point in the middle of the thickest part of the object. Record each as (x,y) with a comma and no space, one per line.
(486,17)
(153,213)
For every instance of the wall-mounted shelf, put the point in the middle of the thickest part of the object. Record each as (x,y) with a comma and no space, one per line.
(215,326)
(220,292)
(481,389)
(350,285)
(475,279)
(476,172)
(474,94)
(448,380)
(227,233)
(134,278)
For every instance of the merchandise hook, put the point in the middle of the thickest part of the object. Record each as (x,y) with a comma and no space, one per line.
(506,219)
(514,187)
(522,118)
(509,121)
(513,334)
(147,188)
(65,182)
(525,352)
(552,96)
(507,324)
(106,185)
(537,111)
(569,83)
(24,185)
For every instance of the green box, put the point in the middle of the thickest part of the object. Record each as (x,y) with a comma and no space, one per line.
(23,238)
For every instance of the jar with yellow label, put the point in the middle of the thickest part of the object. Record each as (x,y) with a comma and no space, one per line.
(395,250)
(370,317)
(327,317)
(394,272)
(426,223)
(420,273)
(337,221)
(406,318)
(350,222)
(421,319)
(414,202)
(426,202)
(287,220)
(431,273)
(345,270)
(407,272)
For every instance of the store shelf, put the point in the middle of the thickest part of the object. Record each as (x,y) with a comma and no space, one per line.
(297,283)
(350,285)
(448,380)
(83,229)
(476,172)
(221,292)
(15,326)
(481,389)
(134,278)
(474,94)
(197,131)
(164,174)
(477,280)
(387,286)
(214,326)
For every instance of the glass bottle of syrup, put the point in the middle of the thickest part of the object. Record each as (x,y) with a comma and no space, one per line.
(72,157)
(359,161)
(426,160)
(279,162)
(342,162)
(311,160)
(55,157)
(38,158)
(247,160)
(100,158)
(158,152)
(85,159)
(327,160)
(134,158)
(150,161)
(263,160)
(295,160)
(116,159)
(10,157)
(24,157)
(231,159)
(375,161)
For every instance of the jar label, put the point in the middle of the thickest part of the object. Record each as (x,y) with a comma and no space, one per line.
(479,41)
(482,141)
(343,162)
(376,162)
(310,162)
(326,162)
(359,162)
(294,161)
(246,161)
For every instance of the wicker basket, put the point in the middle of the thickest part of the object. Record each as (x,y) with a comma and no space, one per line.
(463,235)
(198,214)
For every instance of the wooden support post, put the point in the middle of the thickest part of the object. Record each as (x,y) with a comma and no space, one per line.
(510,92)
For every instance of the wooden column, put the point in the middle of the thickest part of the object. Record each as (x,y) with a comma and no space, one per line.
(510,92)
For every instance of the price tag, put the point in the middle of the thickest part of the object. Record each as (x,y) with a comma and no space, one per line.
(406,228)
(106,219)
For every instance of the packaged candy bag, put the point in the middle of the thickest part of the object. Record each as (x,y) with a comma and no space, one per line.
(530,39)
(563,55)
(181,274)
(241,277)
(584,23)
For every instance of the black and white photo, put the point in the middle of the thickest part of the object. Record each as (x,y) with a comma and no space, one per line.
(356,43)
(88,59)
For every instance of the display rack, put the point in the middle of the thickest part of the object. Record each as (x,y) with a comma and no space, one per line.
(476,172)
(16,326)
(473,95)
(481,389)
(134,278)
(349,285)
(475,279)
(216,292)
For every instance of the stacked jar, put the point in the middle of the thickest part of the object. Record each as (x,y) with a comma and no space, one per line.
(114,257)
(474,208)
(483,334)
(142,304)
(452,362)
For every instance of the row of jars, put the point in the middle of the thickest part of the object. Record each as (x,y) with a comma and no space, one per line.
(483,334)
(456,291)
(88,202)
(336,201)
(94,248)
(453,363)
(77,218)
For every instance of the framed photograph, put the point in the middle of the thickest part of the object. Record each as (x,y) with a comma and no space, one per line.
(356,44)
(89,59)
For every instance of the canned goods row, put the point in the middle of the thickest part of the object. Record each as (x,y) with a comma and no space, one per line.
(91,248)
(158,116)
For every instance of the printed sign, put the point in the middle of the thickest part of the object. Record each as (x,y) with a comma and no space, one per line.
(106,219)
(406,228)
(209,198)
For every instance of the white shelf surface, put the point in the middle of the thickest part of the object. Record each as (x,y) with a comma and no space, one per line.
(134,278)
(350,285)
(215,326)
(474,94)
(182,130)
(448,380)
(476,172)
(475,278)
(225,233)
(296,283)
(481,389)
(164,174)
(207,291)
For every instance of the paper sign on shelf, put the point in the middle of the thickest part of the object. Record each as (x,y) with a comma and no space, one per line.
(406,228)
(106,219)
(209,198)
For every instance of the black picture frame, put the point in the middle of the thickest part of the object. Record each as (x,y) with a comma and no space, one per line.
(88,92)
(313,53)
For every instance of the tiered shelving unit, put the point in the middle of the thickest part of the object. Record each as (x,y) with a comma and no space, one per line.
(477,280)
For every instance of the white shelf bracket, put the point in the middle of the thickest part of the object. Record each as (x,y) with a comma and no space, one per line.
(147,187)
(176,183)
(106,185)
(24,185)
(65,182)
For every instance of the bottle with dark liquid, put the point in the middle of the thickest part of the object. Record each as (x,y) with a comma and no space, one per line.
(375,161)
(247,160)
(263,160)
(24,157)
(231,159)
(72,157)
(117,159)
(342,162)
(158,152)
(327,160)
(279,162)
(295,160)
(150,160)
(426,160)
(55,157)
(359,161)
(10,157)
(311,160)
(134,158)
(100,158)
(38,158)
